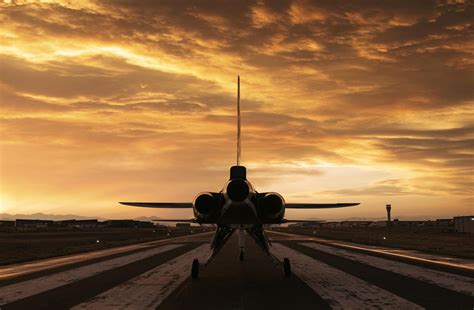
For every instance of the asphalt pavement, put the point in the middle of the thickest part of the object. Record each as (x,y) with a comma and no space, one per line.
(325,274)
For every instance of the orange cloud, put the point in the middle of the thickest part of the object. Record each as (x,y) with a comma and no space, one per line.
(103,101)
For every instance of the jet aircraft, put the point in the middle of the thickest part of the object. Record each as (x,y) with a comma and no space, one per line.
(238,206)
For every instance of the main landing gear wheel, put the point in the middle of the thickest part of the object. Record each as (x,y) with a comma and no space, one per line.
(195,269)
(286,267)
(241,256)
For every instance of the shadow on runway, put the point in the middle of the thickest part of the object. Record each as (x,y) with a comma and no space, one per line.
(255,283)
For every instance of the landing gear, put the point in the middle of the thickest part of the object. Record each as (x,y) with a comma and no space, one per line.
(241,243)
(286,267)
(195,269)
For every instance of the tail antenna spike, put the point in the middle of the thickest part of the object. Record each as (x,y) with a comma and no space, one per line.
(238,120)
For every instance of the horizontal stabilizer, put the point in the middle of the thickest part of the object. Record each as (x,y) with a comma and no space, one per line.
(301,221)
(170,205)
(177,220)
(318,205)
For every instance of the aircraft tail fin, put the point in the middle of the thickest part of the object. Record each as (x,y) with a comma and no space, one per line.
(238,120)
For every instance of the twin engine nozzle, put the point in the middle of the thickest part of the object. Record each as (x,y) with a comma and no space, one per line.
(269,207)
(238,190)
(205,205)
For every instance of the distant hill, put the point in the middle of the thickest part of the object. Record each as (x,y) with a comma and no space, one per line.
(42,216)
(56,217)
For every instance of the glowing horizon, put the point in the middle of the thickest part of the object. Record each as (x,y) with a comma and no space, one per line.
(109,101)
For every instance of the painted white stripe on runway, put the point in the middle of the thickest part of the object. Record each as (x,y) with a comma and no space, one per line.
(341,290)
(149,289)
(437,259)
(15,270)
(444,279)
(27,288)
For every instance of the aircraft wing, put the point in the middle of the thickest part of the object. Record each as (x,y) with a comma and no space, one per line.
(170,205)
(319,205)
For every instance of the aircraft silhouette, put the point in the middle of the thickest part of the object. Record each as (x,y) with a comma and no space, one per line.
(238,206)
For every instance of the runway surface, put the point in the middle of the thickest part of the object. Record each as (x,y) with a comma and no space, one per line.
(326,274)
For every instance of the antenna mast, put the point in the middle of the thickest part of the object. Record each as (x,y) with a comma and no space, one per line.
(238,120)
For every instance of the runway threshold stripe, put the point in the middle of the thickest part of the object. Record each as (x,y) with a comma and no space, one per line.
(458,266)
(74,293)
(149,289)
(339,289)
(447,280)
(20,270)
(11,293)
(10,274)
(422,293)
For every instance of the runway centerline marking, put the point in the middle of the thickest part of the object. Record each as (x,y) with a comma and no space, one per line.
(340,289)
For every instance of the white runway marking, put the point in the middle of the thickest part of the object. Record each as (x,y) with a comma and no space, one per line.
(15,270)
(444,279)
(341,290)
(438,259)
(27,288)
(149,289)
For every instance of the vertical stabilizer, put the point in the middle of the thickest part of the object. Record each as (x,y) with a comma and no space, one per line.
(238,171)
(238,120)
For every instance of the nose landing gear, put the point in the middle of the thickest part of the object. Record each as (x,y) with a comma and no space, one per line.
(195,269)
(241,243)
(286,267)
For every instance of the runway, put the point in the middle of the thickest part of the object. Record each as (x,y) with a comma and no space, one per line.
(326,274)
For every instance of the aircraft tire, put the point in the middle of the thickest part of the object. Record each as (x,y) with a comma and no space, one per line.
(286,267)
(195,269)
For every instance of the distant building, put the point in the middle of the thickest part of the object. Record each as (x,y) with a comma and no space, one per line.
(183,225)
(313,224)
(129,224)
(410,223)
(464,224)
(310,224)
(355,223)
(5,223)
(120,223)
(331,224)
(161,227)
(444,222)
(295,225)
(78,223)
(144,224)
(381,223)
(26,223)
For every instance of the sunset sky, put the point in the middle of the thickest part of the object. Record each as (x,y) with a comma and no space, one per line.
(366,101)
